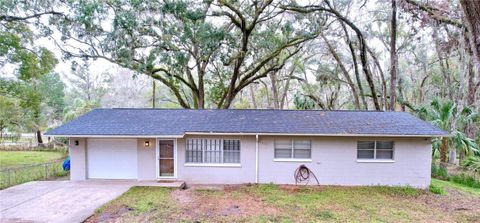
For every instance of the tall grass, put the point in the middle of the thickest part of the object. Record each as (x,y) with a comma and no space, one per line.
(466,180)
(441,173)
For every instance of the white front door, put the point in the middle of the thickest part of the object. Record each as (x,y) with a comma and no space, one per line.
(112,158)
(166,158)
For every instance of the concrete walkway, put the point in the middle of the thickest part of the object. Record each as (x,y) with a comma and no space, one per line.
(57,201)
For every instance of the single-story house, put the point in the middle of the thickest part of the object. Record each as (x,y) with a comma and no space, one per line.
(250,146)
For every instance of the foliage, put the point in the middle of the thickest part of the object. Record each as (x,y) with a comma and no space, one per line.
(79,107)
(303,103)
(446,116)
(466,180)
(449,185)
(436,189)
(190,47)
(10,114)
(440,172)
(39,92)
(472,163)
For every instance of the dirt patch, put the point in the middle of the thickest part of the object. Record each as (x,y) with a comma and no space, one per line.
(182,196)
(453,202)
(109,215)
(229,202)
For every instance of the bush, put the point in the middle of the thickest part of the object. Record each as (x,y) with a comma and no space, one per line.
(466,180)
(436,189)
(440,172)
(472,163)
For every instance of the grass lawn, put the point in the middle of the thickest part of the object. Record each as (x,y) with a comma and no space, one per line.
(273,203)
(19,158)
(449,184)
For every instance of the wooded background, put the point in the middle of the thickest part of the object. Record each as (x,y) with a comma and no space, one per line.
(59,59)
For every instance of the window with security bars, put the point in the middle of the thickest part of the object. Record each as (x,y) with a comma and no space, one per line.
(293,149)
(375,150)
(212,151)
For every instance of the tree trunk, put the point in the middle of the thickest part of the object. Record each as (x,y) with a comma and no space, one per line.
(275,97)
(382,77)
(452,156)
(252,95)
(444,150)
(400,93)
(355,68)
(153,93)
(344,72)
(445,72)
(393,56)
(286,88)
(471,9)
(39,138)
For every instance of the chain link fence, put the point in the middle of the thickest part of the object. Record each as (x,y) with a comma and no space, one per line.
(44,171)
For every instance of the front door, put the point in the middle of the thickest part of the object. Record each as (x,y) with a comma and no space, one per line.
(166,158)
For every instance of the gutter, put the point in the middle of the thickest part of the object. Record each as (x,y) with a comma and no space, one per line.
(313,134)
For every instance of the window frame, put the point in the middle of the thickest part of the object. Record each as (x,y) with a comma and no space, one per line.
(219,164)
(375,159)
(292,151)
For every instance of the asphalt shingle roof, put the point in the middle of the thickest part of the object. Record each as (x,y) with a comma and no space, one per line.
(157,122)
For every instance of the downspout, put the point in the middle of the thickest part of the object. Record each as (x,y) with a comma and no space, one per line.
(256,158)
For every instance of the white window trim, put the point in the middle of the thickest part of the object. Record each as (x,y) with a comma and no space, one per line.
(374,159)
(221,152)
(292,160)
(213,165)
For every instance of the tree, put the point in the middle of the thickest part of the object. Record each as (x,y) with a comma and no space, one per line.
(30,62)
(327,7)
(183,48)
(393,56)
(10,114)
(443,115)
(86,84)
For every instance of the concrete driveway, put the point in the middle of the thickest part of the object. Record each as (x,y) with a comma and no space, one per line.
(57,201)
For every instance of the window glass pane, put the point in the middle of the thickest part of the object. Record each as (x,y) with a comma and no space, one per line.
(364,154)
(283,144)
(297,144)
(302,153)
(384,145)
(212,150)
(283,153)
(231,151)
(365,144)
(194,151)
(384,154)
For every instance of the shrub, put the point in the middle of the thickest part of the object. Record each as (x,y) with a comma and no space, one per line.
(436,189)
(472,163)
(466,180)
(440,172)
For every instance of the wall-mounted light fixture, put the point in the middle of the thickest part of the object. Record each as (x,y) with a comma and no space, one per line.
(147,143)
(76,142)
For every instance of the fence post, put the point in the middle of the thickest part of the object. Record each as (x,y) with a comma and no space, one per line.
(46,171)
(8,173)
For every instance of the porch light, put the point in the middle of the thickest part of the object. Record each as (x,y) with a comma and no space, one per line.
(76,142)
(147,143)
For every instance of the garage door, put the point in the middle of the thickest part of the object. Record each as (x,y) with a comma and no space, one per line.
(112,158)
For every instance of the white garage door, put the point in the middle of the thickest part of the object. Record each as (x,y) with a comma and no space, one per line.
(112,158)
